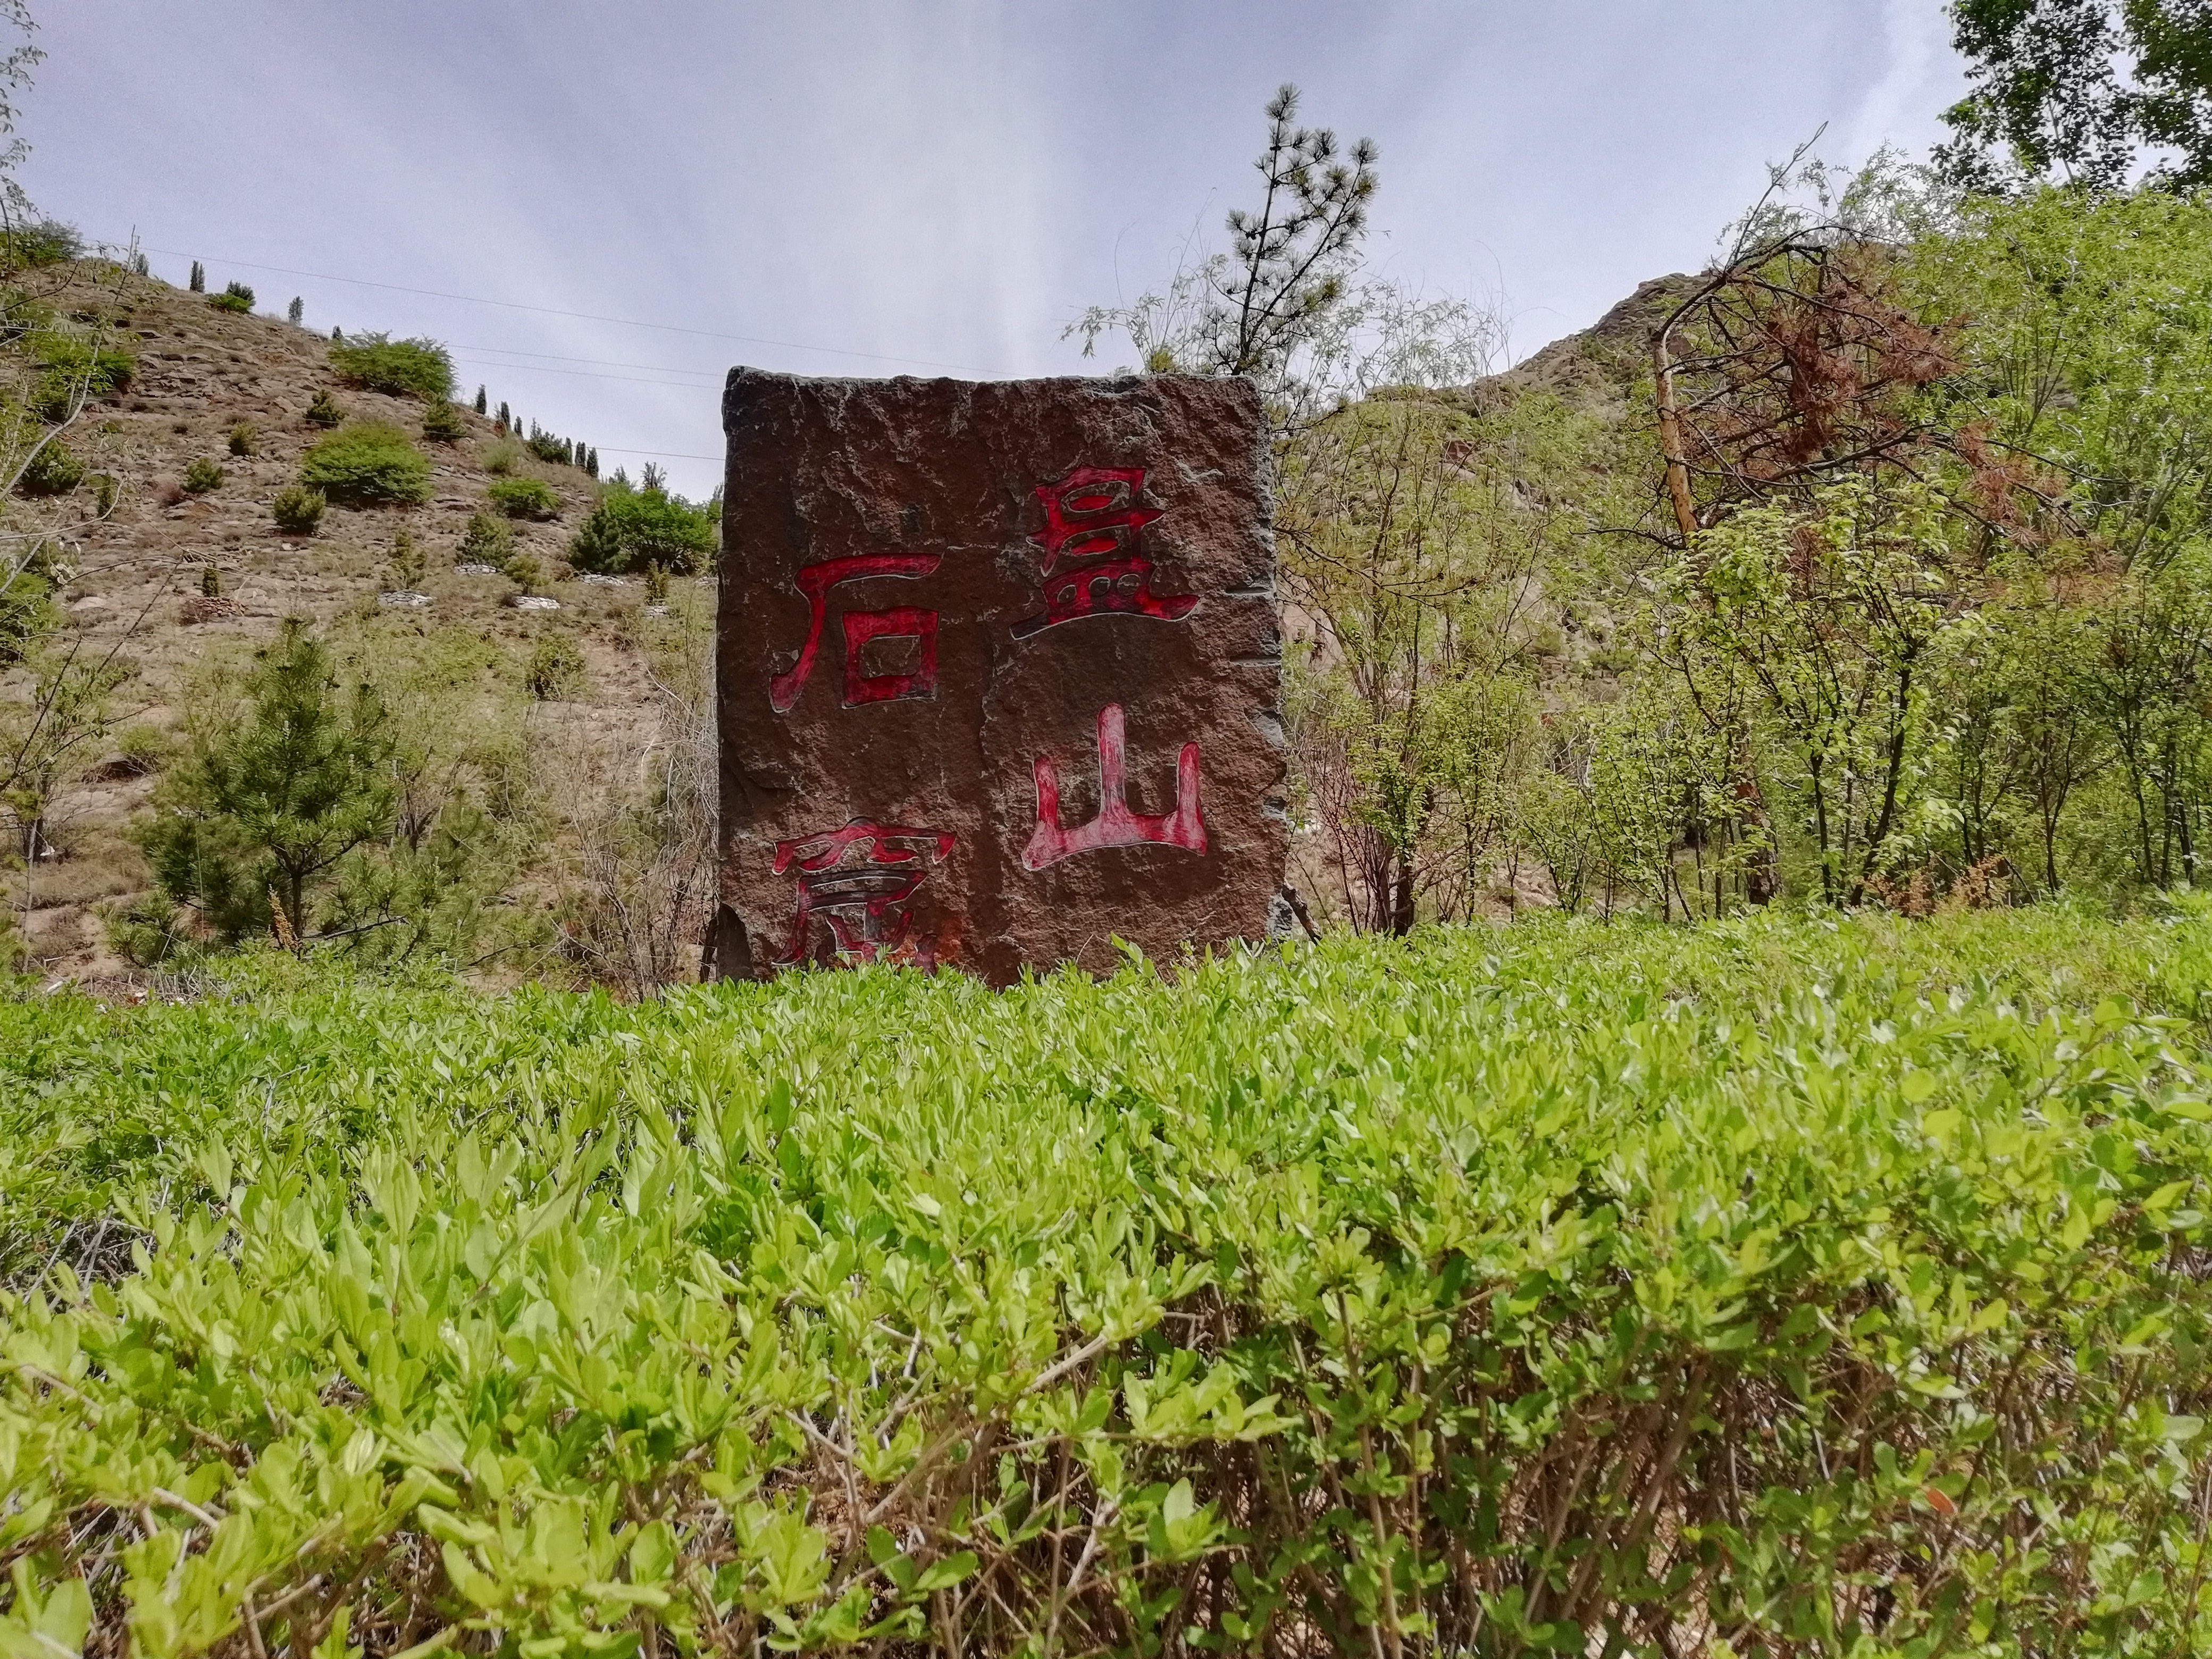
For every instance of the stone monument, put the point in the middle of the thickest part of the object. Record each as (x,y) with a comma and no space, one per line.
(999,673)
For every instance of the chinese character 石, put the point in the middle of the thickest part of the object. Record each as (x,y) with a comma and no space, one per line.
(1090,565)
(866,898)
(1115,825)
(897,622)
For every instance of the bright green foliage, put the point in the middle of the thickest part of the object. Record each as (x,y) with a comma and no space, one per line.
(54,470)
(236,298)
(323,410)
(1836,1286)
(76,371)
(632,528)
(203,474)
(524,498)
(405,369)
(274,794)
(442,423)
(487,540)
(297,509)
(40,242)
(367,463)
(556,671)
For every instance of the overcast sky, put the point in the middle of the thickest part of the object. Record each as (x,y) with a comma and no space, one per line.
(909,187)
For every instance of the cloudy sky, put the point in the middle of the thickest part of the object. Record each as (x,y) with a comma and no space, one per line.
(909,187)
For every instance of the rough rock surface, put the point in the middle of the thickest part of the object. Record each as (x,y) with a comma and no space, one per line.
(999,672)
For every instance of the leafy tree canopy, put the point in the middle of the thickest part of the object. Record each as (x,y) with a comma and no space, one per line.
(2085,89)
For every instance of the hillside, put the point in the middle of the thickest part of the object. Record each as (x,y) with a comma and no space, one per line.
(200,372)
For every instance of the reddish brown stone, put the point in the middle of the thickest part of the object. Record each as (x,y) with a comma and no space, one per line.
(945,608)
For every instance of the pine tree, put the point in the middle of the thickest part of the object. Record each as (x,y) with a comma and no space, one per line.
(199,277)
(267,807)
(480,400)
(296,311)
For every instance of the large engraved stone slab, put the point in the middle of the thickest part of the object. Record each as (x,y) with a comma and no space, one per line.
(999,672)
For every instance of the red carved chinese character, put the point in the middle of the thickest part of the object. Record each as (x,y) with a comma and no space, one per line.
(866,899)
(1115,825)
(900,622)
(1090,565)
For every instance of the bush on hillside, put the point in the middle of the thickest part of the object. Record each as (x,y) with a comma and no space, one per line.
(524,498)
(487,540)
(555,669)
(43,242)
(367,463)
(54,470)
(442,423)
(555,451)
(631,528)
(298,510)
(1824,1289)
(503,457)
(323,410)
(202,475)
(236,298)
(242,438)
(403,368)
(76,371)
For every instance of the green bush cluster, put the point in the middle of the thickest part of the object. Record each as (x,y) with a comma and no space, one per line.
(243,438)
(41,242)
(298,510)
(555,673)
(405,369)
(202,475)
(631,528)
(442,423)
(1823,1289)
(75,371)
(485,540)
(323,410)
(367,463)
(55,469)
(524,498)
(236,298)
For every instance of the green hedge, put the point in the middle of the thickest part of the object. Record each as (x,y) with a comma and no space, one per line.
(405,369)
(631,530)
(1792,1288)
(367,463)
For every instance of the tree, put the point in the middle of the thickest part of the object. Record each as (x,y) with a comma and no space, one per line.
(2085,89)
(269,803)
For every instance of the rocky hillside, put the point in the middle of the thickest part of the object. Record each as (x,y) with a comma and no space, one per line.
(141,574)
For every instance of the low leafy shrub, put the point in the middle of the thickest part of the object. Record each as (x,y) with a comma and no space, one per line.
(555,451)
(403,368)
(524,571)
(74,372)
(298,510)
(631,528)
(503,457)
(442,423)
(323,410)
(1817,1289)
(408,563)
(524,498)
(487,540)
(42,242)
(55,469)
(367,463)
(202,475)
(242,438)
(236,298)
(555,673)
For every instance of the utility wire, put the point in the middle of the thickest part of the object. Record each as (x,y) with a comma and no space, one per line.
(585,316)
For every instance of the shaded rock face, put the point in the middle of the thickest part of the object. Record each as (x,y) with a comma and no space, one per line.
(999,672)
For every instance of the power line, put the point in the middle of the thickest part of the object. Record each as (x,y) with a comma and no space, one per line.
(585,374)
(602,362)
(585,316)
